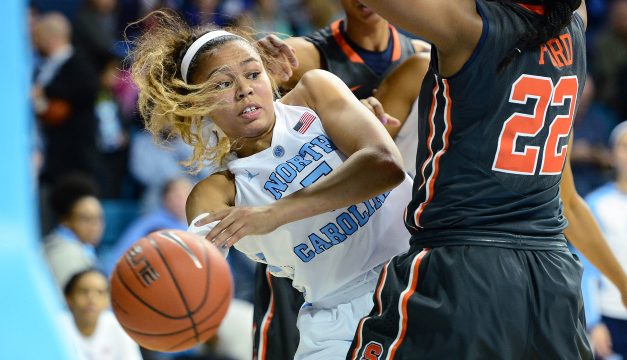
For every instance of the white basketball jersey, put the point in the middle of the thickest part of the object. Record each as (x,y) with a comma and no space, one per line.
(329,252)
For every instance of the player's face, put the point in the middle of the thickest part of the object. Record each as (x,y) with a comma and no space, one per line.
(620,156)
(243,92)
(356,10)
(86,220)
(89,297)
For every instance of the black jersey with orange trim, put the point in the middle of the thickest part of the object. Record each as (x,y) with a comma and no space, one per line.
(341,59)
(492,145)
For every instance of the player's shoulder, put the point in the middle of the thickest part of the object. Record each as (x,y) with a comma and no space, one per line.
(314,87)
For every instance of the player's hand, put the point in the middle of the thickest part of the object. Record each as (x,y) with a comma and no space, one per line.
(374,105)
(237,222)
(601,340)
(284,55)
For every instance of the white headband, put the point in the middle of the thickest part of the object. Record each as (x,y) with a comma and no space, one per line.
(196,45)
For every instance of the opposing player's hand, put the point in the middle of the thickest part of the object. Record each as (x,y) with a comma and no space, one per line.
(283,53)
(374,105)
(237,222)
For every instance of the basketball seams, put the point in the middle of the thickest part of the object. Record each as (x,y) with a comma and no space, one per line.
(138,298)
(202,332)
(225,297)
(190,314)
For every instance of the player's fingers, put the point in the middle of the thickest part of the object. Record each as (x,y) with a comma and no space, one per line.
(219,228)
(229,236)
(237,236)
(286,71)
(392,121)
(378,110)
(284,49)
(367,105)
(208,218)
(268,46)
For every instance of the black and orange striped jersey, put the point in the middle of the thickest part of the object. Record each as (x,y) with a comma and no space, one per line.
(492,145)
(341,58)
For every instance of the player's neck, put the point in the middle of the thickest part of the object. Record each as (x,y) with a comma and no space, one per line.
(245,147)
(621,183)
(371,37)
(86,329)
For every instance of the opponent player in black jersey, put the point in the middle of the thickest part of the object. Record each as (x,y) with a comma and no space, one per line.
(488,274)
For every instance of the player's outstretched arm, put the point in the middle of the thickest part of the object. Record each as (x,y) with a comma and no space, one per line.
(584,233)
(374,164)
(398,91)
(449,24)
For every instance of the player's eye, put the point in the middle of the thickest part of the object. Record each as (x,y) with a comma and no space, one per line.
(221,85)
(253,75)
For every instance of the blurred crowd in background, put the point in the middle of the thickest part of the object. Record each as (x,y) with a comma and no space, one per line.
(103,182)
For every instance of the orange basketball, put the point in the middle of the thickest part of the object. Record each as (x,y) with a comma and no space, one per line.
(171,290)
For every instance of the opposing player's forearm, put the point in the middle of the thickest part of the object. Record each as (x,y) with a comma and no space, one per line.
(584,233)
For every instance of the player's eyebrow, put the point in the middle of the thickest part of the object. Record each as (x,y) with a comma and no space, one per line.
(249,60)
(224,68)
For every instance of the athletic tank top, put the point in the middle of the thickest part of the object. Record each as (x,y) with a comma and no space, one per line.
(339,58)
(330,253)
(492,145)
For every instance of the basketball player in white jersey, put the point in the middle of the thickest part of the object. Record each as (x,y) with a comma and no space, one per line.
(313,186)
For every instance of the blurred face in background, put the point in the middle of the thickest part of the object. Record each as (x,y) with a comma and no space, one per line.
(104,6)
(88,298)
(175,197)
(618,18)
(86,220)
(620,155)
(356,10)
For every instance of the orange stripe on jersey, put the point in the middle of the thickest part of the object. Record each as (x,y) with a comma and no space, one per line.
(434,105)
(402,305)
(347,49)
(538,9)
(360,327)
(267,319)
(430,190)
(396,50)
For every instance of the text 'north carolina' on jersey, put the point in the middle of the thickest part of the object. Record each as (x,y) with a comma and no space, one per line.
(330,252)
(493,145)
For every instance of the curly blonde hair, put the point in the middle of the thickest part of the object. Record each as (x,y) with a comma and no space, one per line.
(168,104)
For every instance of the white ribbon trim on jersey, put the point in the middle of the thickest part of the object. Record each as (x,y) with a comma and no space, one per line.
(196,45)
(204,230)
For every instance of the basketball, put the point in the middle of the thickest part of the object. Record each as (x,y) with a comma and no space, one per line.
(171,290)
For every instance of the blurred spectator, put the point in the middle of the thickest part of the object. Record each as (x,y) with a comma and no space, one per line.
(590,154)
(112,134)
(64,95)
(201,12)
(610,55)
(96,31)
(153,165)
(609,205)
(266,17)
(93,328)
(169,215)
(69,248)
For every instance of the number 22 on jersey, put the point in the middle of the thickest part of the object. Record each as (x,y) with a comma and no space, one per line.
(546,95)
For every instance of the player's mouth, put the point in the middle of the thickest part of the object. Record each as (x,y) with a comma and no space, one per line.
(251,112)
(365,11)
